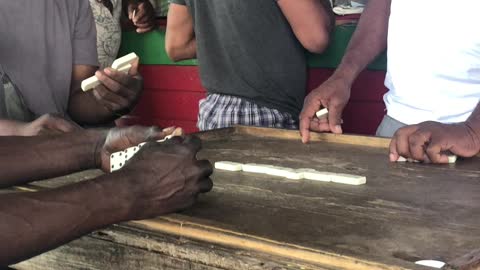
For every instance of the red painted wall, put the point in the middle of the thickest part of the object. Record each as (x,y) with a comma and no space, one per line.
(172,93)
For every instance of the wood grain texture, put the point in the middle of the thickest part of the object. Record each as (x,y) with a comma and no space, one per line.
(405,212)
(123,247)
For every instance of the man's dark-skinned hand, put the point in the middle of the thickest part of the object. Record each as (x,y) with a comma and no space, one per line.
(119,139)
(118,91)
(334,95)
(431,141)
(144,19)
(167,177)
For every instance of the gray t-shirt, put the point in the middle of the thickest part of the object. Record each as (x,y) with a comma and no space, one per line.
(247,48)
(40,41)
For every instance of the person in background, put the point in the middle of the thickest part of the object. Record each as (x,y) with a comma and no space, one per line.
(251,56)
(47,55)
(432,104)
(108,19)
(161,178)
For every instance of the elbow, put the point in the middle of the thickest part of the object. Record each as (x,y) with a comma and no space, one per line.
(316,43)
(172,52)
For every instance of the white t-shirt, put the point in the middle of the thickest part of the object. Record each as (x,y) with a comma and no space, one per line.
(433,60)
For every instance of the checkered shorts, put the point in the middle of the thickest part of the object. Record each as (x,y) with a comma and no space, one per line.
(220,111)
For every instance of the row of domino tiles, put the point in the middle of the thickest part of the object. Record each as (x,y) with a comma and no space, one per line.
(309,174)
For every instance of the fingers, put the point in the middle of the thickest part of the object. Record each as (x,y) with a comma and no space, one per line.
(53,122)
(206,185)
(335,111)
(114,80)
(436,151)
(64,126)
(394,156)
(400,146)
(312,105)
(414,142)
(142,17)
(417,144)
(116,91)
(206,168)
(320,124)
(134,69)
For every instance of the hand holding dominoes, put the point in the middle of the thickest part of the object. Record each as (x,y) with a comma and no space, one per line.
(118,140)
(433,142)
(117,88)
(167,177)
(332,94)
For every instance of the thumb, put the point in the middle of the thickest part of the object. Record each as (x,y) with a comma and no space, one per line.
(312,105)
(134,69)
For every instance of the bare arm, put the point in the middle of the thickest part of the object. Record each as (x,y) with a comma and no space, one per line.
(41,157)
(46,124)
(311,21)
(36,222)
(152,183)
(368,41)
(180,42)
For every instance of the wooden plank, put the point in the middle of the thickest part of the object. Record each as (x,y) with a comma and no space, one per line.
(404,213)
(124,247)
(315,137)
(230,238)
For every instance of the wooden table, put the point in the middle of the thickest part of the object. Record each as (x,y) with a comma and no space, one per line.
(405,212)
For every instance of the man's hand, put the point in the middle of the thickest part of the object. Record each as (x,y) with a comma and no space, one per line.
(119,139)
(142,15)
(48,124)
(333,95)
(118,92)
(431,142)
(166,177)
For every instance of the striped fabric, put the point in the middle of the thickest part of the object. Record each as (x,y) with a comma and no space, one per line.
(220,111)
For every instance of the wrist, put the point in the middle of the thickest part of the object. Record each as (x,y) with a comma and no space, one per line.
(98,137)
(347,71)
(347,77)
(119,195)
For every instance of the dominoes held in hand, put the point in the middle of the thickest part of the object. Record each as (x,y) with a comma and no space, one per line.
(122,64)
(119,159)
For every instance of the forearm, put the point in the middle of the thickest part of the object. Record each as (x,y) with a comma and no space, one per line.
(84,109)
(184,52)
(11,128)
(180,41)
(37,222)
(368,41)
(26,159)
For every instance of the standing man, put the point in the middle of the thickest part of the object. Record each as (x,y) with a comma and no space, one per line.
(47,48)
(251,55)
(433,78)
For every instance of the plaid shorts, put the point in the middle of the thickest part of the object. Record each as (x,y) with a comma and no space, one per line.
(220,111)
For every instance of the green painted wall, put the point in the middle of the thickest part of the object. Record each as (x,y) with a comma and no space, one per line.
(151,49)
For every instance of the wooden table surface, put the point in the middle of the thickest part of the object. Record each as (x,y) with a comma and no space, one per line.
(405,213)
